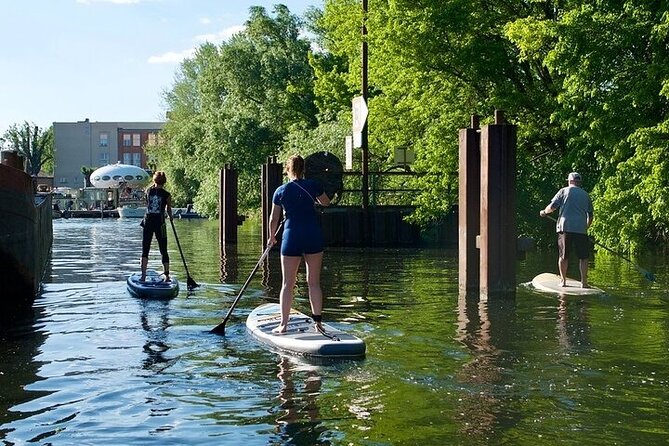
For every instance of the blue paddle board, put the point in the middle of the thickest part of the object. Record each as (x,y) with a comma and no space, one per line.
(153,287)
(301,336)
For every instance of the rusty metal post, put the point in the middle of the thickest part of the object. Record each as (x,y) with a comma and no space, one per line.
(271,179)
(498,208)
(469,195)
(227,207)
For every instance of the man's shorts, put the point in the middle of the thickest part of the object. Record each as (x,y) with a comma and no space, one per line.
(580,243)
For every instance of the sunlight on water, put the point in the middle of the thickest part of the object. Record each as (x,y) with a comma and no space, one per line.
(97,366)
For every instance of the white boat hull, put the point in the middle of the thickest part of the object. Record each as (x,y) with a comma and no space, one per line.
(131,211)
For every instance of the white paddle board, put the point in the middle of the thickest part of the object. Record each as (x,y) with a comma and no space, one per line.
(550,283)
(153,287)
(301,336)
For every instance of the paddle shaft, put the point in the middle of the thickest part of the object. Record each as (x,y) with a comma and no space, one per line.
(220,328)
(189,280)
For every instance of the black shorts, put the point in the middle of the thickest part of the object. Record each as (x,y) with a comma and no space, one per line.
(579,242)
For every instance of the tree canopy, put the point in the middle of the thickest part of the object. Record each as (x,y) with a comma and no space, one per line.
(585,82)
(34,144)
(235,104)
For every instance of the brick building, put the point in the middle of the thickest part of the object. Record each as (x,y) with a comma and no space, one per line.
(96,144)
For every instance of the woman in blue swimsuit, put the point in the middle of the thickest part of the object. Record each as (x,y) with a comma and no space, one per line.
(302,237)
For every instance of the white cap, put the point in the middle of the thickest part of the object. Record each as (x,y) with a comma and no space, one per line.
(574,176)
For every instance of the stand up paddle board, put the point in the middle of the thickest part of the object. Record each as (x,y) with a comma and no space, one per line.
(550,283)
(153,287)
(301,336)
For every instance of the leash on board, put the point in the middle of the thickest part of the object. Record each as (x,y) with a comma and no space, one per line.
(326,334)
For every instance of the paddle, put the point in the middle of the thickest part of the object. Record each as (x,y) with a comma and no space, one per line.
(190,283)
(220,328)
(647,274)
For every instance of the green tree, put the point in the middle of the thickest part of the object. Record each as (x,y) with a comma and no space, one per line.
(611,66)
(236,104)
(34,144)
(431,65)
(86,171)
(583,81)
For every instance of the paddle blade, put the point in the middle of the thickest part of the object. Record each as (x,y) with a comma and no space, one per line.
(191,283)
(646,274)
(219,329)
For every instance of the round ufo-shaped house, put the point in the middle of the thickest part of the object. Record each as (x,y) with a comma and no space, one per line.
(119,175)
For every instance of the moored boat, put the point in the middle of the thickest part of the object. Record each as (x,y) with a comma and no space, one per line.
(26,234)
(131,211)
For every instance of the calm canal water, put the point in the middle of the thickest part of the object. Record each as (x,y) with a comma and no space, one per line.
(97,366)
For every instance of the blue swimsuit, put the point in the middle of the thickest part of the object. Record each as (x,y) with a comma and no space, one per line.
(301,231)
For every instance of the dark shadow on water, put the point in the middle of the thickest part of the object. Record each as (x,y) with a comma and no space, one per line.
(155,320)
(20,344)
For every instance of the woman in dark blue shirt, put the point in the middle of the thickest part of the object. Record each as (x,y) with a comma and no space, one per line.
(302,237)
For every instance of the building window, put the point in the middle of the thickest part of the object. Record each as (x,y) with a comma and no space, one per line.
(104,139)
(135,140)
(127,140)
(104,158)
(63,180)
(137,159)
(127,158)
(152,139)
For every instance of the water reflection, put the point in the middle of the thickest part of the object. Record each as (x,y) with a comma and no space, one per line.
(299,415)
(18,369)
(484,326)
(573,327)
(271,272)
(155,320)
(229,263)
(97,366)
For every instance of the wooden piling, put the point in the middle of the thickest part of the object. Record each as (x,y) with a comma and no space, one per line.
(227,206)
(497,241)
(468,206)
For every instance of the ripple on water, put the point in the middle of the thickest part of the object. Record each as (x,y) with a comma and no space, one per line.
(101,367)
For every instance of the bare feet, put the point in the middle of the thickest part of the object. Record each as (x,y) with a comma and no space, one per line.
(563,283)
(142,279)
(279,330)
(585,285)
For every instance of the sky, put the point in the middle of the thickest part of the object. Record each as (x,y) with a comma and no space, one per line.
(105,60)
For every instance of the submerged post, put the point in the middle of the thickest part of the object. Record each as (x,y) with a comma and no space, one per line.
(227,207)
(497,241)
(469,194)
